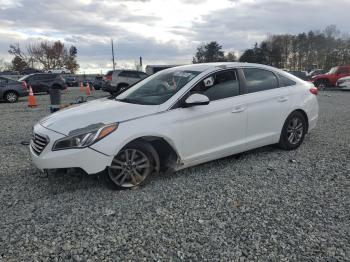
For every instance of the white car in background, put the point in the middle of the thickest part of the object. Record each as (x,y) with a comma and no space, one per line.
(177,118)
(59,71)
(344,83)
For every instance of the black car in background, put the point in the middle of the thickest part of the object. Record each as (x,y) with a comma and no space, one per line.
(98,82)
(301,74)
(42,82)
(71,80)
(11,90)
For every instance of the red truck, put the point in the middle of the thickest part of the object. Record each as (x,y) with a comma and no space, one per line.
(331,78)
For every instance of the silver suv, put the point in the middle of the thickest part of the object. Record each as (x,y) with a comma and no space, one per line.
(119,80)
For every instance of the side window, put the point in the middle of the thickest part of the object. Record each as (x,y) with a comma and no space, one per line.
(285,81)
(123,74)
(259,80)
(142,75)
(3,81)
(224,84)
(133,74)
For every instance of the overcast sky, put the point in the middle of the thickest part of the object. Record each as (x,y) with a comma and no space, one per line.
(161,31)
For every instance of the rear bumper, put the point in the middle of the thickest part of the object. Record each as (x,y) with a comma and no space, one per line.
(90,160)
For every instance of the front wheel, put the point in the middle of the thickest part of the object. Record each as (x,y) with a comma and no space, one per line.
(322,84)
(293,132)
(132,165)
(11,97)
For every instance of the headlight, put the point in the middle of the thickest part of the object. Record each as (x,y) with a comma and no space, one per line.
(85,139)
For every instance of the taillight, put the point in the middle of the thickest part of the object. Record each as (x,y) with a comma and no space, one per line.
(109,77)
(24,84)
(313,90)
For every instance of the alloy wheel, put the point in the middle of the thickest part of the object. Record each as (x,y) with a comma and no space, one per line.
(295,130)
(11,97)
(129,168)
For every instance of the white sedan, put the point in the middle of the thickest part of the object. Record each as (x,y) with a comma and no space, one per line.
(344,83)
(177,118)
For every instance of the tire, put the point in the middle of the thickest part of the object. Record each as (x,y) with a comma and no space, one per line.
(322,84)
(133,165)
(293,131)
(11,97)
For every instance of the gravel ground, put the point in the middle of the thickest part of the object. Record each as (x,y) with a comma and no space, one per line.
(266,204)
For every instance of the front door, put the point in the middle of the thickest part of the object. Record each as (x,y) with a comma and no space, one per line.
(217,129)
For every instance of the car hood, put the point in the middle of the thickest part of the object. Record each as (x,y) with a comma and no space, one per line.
(95,113)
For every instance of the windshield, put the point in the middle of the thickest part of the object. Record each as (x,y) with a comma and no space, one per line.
(158,88)
(333,70)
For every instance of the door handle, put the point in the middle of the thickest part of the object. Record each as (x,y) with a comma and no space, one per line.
(238,109)
(282,99)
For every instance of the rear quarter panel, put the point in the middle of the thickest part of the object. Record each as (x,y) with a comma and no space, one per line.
(301,98)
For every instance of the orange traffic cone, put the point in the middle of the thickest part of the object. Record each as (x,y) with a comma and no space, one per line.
(81,87)
(31,98)
(88,91)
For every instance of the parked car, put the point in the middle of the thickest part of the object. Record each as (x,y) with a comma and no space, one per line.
(177,118)
(42,82)
(8,73)
(59,71)
(330,79)
(11,90)
(152,69)
(71,80)
(120,80)
(98,82)
(344,83)
(301,74)
(28,71)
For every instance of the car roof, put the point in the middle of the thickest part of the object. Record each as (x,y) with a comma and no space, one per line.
(202,67)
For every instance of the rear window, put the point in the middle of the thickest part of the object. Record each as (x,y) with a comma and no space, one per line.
(109,73)
(142,75)
(285,81)
(259,80)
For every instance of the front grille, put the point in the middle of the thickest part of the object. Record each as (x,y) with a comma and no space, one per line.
(38,143)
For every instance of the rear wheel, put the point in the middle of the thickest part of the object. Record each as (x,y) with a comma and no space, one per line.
(11,97)
(122,87)
(293,132)
(132,165)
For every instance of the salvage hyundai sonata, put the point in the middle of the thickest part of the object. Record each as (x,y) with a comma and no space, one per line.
(179,117)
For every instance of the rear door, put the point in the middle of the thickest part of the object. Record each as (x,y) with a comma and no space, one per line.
(267,107)
(123,77)
(33,81)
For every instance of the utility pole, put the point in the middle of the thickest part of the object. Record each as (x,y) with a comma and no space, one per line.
(113,55)
(141,62)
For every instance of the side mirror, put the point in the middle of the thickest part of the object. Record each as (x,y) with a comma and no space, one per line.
(196,100)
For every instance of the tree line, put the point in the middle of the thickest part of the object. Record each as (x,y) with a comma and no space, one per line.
(304,51)
(45,55)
